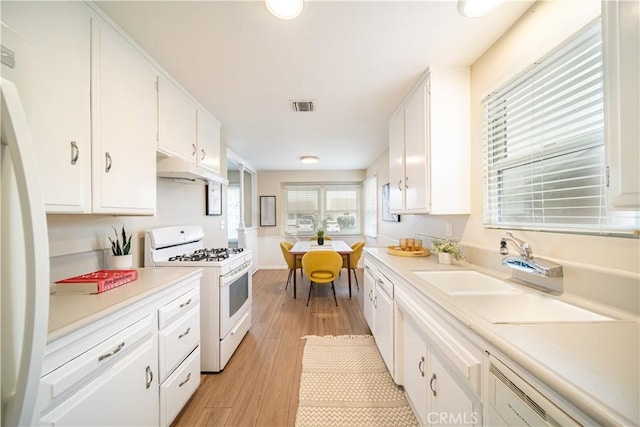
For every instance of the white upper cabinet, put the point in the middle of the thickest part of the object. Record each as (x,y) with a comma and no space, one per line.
(124,125)
(90,99)
(208,143)
(177,127)
(621,44)
(55,93)
(186,130)
(429,146)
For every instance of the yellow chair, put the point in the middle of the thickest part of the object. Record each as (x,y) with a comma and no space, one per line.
(288,257)
(354,257)
(322,267)
(316,238)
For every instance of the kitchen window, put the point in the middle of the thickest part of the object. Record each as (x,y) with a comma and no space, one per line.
(370,190)
(233,211)
(334,208)
(543,134)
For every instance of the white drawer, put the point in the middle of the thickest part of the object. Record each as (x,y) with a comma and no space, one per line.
(93,361)
(179,387)
(177,341)
(229,344)
(169,312)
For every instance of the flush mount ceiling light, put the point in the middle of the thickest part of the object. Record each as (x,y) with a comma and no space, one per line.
(284,9)
(309,160)
(476,8)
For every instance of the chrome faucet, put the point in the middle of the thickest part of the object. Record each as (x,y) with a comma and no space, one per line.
(526,262)
(523,247)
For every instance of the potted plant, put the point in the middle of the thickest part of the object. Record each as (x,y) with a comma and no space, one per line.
(321,237)
(121,258)
(446,250)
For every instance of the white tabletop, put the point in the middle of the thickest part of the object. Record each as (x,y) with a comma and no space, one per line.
(304,246)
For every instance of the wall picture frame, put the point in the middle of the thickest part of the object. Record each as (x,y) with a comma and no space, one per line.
(267,211)
(386,209)
(214,199)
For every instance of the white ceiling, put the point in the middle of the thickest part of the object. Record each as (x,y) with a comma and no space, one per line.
(355,60)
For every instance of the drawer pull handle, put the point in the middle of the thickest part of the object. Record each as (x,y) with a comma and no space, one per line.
(185,333)
(431,384)
(149,376)
(421,366)
(115,350)
(184,304)
(375,301)
(75,152)
(185,381)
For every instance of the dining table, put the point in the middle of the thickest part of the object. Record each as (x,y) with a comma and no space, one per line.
(301,247)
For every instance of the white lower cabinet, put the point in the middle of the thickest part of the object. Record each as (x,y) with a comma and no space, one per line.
(384,320)
(436,393)
(370,276)
(138,366)
(111,384)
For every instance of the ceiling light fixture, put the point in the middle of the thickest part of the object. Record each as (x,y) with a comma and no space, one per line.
(477,8)
(309,160)
(284,9)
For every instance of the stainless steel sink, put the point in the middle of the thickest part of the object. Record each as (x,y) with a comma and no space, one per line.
(498,301)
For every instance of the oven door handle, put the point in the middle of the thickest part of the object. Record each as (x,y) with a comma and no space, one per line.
(233,275)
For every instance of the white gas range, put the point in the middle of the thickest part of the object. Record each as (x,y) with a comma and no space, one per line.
(225,287)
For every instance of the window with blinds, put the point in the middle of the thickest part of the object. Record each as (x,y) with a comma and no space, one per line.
(544,145)
(370,223)
(334,208)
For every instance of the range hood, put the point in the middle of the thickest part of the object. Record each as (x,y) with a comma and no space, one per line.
(182,170)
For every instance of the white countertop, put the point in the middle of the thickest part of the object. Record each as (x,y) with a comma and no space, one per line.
(70,312)
(595,366)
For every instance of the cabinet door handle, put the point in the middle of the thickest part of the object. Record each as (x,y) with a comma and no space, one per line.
(184,304)
(185,381)
(375,301)
(149,376)
(432,384)
(109,161)
(399,182)
(370,297)
(203,155)
(421,366)
(111,353)
(194,150)
(405,182)
(185,333)
(75,152)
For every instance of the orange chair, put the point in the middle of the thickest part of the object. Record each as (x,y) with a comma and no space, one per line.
(322,267)
(288,257)
(353,260)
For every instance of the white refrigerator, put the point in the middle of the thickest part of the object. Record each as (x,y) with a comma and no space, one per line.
(24,250)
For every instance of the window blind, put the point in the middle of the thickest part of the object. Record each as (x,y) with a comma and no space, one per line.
(335,208)
(543,135)
(370,187)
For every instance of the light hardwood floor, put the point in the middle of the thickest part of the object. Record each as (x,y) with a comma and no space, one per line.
(259,386)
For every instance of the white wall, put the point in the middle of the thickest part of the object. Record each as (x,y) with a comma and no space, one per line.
(75,239)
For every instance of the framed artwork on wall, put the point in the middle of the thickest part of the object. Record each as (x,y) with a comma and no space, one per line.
(267,211)
(214,198)
(386,209)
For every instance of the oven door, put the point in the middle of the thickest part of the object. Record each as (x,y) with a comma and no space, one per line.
(235,298)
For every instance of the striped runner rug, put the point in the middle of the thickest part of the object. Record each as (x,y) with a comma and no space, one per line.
(345,382)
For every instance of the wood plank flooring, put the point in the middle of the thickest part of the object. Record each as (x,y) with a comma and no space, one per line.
(259,386)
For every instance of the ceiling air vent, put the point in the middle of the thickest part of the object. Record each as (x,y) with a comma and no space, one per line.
(299,106)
